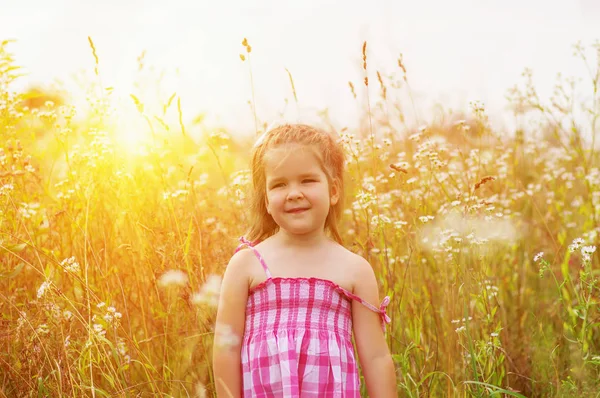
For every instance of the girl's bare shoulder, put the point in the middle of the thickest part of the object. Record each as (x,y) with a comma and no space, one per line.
(241,261)
(351,261)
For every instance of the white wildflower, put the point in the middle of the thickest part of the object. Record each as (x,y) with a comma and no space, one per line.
(576,244)
(538,256)
(226,338)
(22,319)
(27,210)
(6,189)
(173,277)
(121,347)
(68,315)
(415,137)
(588,249)
(70,265)
(200,390)
(209,292)
(399,224)
(99,329)
(42,290)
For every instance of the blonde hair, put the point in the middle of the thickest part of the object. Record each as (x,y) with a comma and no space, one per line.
(331,158)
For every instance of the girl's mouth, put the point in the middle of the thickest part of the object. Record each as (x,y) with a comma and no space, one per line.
(296,210)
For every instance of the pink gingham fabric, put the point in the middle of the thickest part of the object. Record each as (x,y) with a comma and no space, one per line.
(298,338)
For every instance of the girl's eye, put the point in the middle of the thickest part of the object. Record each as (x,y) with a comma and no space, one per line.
(309,180)
(277,185)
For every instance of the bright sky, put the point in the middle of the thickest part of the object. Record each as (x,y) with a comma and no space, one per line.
(455,51)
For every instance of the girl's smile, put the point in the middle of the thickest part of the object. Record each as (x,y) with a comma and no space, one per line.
(297,210)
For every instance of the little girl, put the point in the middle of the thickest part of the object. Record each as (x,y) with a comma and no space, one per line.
(296,296)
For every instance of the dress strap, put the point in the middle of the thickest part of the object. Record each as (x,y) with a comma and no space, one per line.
(246,242)
(381,310)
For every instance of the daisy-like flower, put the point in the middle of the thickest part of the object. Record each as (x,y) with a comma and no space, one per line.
(588,249)
(576,244)
(538,257)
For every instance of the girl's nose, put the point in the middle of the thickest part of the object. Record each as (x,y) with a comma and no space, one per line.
(294,194)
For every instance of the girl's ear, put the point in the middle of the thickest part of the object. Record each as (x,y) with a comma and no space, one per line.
(334,196)
(267,205)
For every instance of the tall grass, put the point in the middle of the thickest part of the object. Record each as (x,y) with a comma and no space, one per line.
(108,255)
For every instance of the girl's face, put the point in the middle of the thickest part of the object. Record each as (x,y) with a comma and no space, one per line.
(299,195)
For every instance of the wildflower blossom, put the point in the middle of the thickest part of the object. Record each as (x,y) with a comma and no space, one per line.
(6,189)
(70,265)
(209,292)
(42,290)
(226,338)
(586,253)
(200,390)
(22,319)
(588,249)
(67,315)
(576,244)
(173,277)
(27,210)
(99,329)
(538,257)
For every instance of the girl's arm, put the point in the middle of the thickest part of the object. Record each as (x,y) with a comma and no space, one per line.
(229,328)
(374,356)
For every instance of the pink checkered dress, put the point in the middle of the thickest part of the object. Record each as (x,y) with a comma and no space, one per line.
(298,338)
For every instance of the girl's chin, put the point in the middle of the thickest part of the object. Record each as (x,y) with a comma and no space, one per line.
(300,231)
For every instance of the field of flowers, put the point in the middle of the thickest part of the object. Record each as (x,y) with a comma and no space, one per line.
(110,258)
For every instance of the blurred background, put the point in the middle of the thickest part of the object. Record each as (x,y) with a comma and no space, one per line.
(454,52)
(124,183)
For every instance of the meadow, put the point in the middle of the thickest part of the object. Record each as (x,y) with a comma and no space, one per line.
(111,257)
